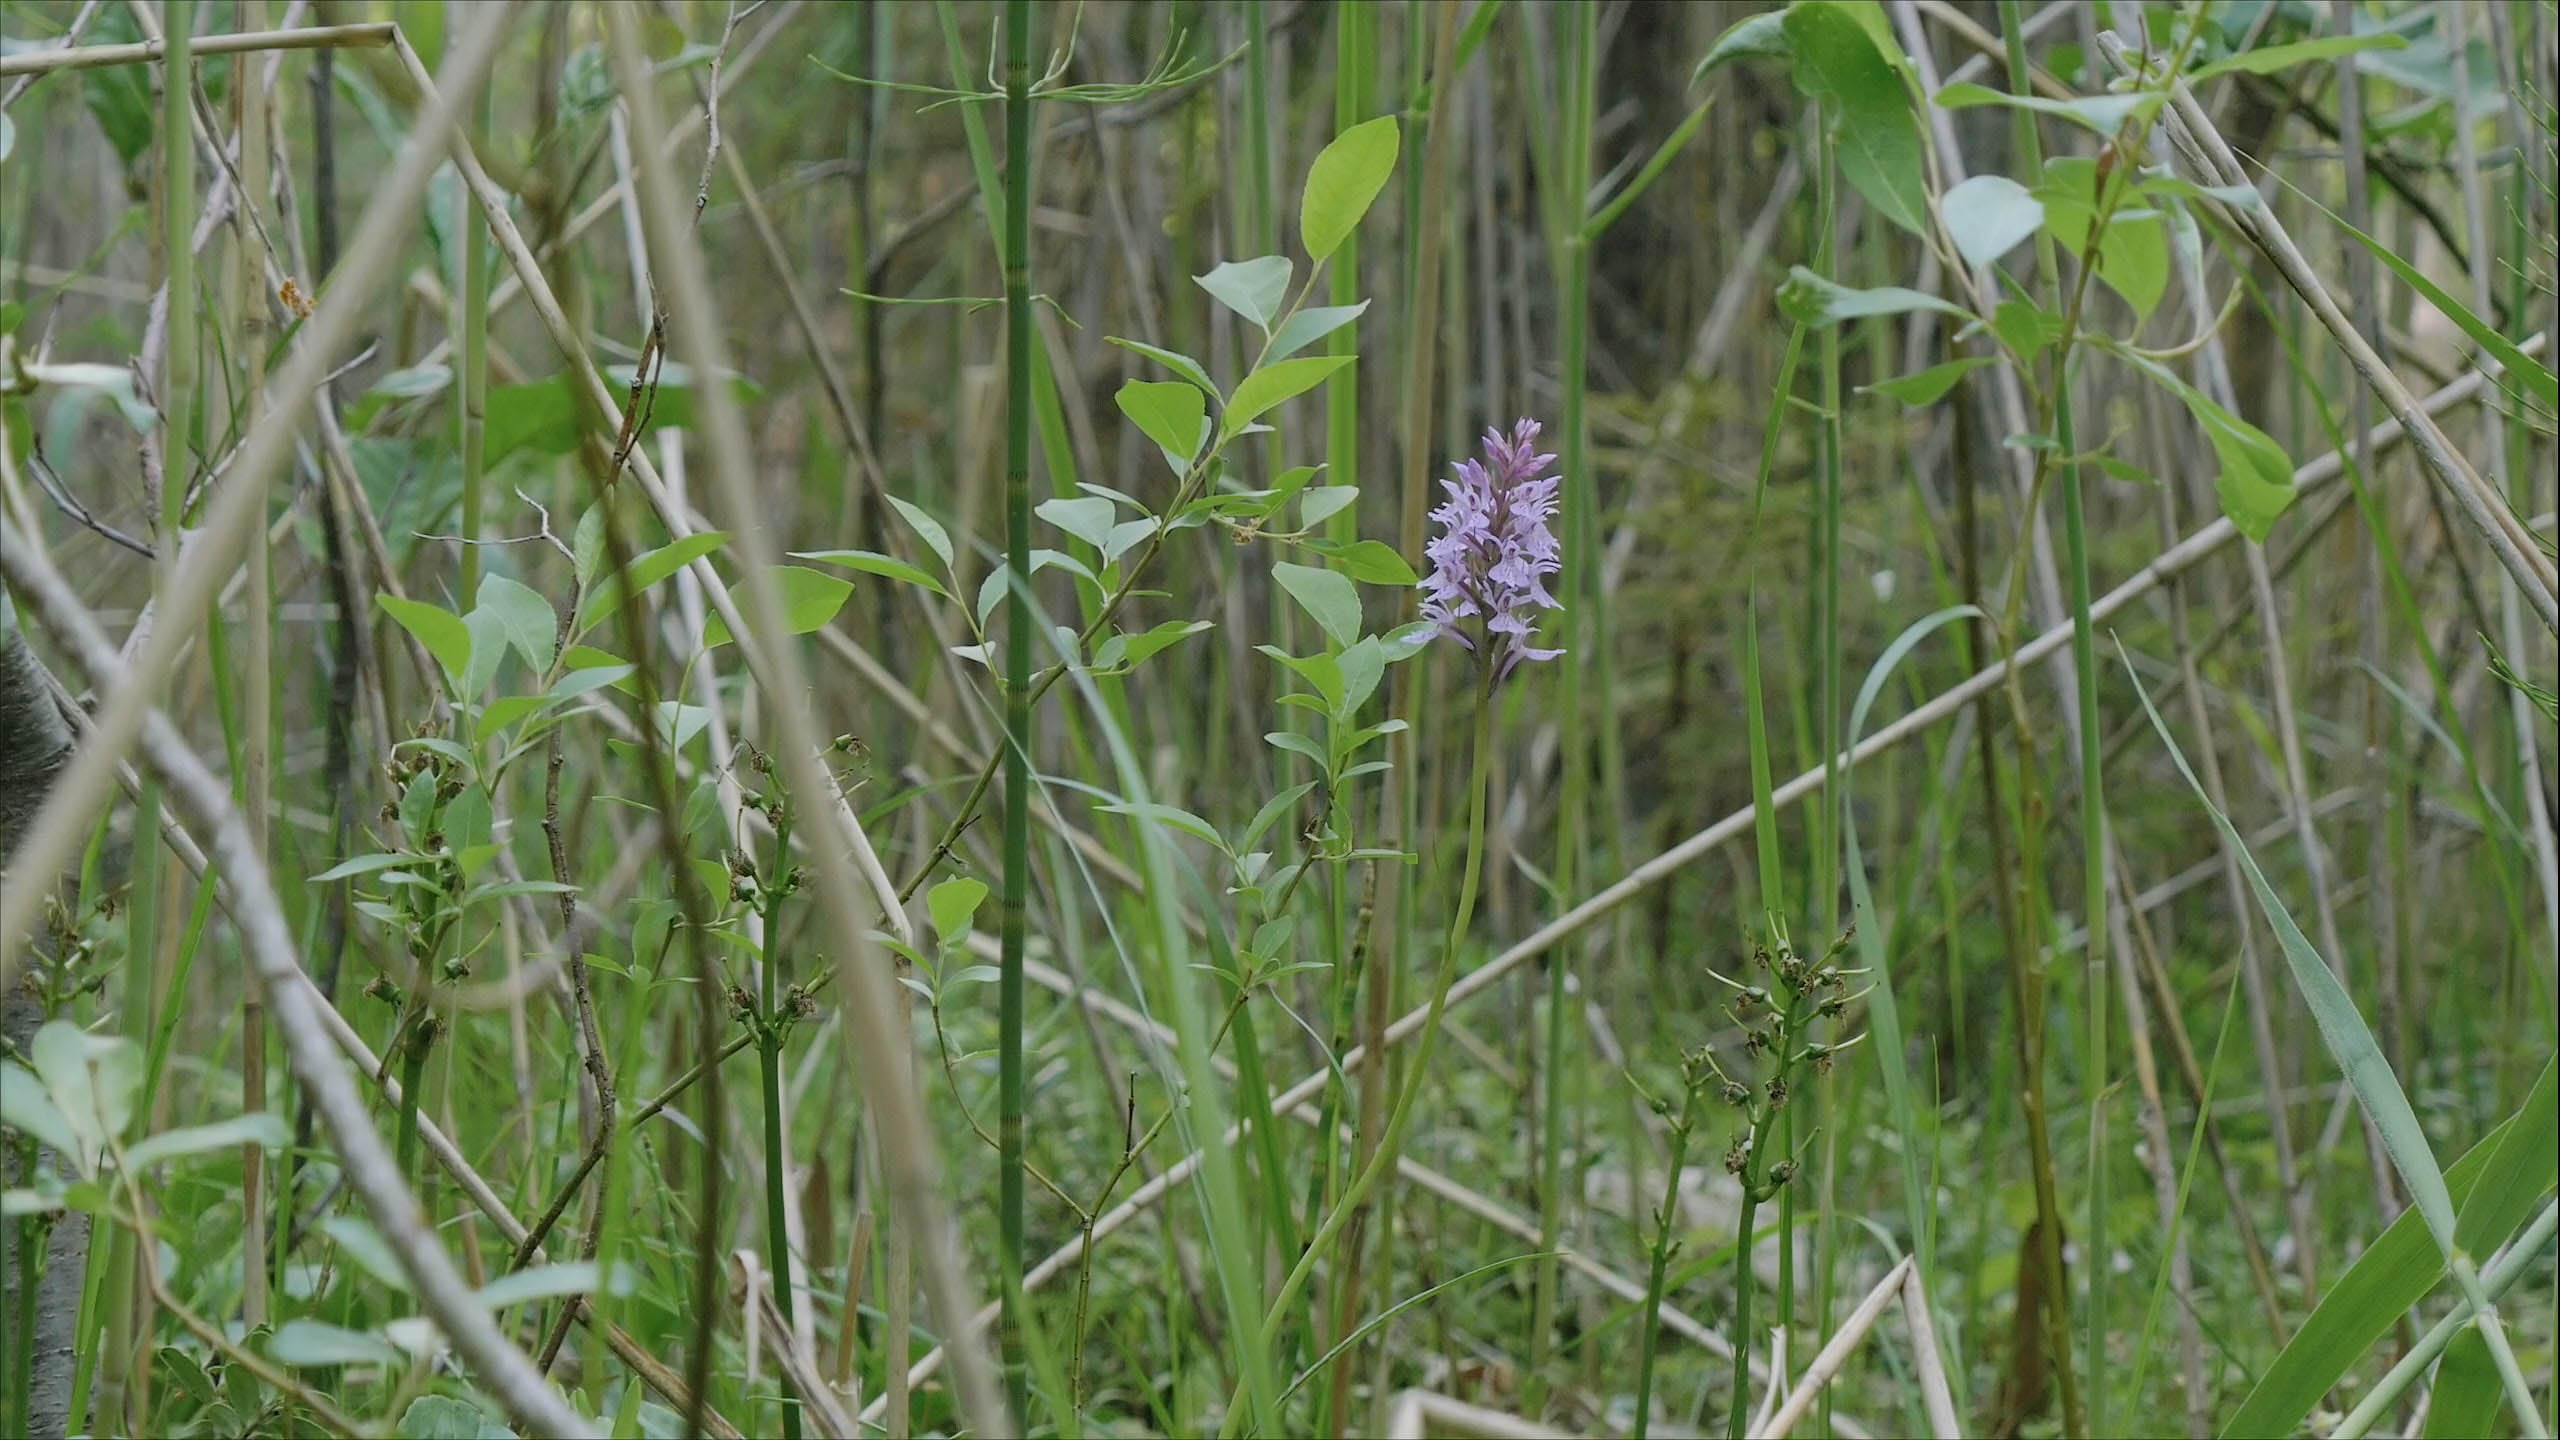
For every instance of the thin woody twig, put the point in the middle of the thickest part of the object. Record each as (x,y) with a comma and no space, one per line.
(143,52)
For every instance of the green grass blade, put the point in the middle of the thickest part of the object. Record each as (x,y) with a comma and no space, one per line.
(2395,1272)
(2465,1400)
(2342,1028)
(2522,1171)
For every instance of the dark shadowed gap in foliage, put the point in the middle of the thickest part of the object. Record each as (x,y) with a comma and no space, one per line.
(34,746)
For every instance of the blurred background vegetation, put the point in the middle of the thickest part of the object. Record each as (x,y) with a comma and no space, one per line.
(2360,697)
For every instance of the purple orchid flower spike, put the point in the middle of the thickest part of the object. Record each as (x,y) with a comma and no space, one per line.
(1495,549)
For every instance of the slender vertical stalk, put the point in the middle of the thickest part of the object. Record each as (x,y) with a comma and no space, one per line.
(1426,1043)
(1017,695)
(2093,815)
(1666,1222)
(177,227)
(2364,284)
(1371,968)
(125,1304)
(249,313)
(1580,581)
(771,1024)
(1354,98)
(471,353)
(1823,820)
(1397,792)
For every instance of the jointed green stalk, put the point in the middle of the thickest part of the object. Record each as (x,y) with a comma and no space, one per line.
(1017,705)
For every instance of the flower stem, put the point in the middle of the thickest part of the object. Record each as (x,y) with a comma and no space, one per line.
(1401,1118)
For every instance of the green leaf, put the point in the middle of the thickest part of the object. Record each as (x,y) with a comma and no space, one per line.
(1270,813)
(442,1417)
(1087,517)
(2026,328)
(411,383)
(871,562)
(2333,1010)
(1988,215)
(587,552)
(1172,413)
(1254,289)
(1322,503)
(1173,360)
(444,634)
(1809,299)
(1343,182)
(1309,326)
(810,598)
(365,1248)
(2468,1394)
(541,417)
(2133,254)
(2255,479)
(645,570)
(1407,640)
(113,381)
(118,96)
(1928,387)
(508,710)
(927,529)
(1327,595)
(488,652)
(2359,1307)
(1762,37)
(1301,745)
(1320,670)
(26,1106)
(1363,665)
(1124,536)
(1864,101)
(267,1132)
(2523,1169)
(1275,384)
(1133,649)
(306,1343)
(2105,114)
(954,904)
(1169,815)
(1374,562)
(524,617)
(363,865)
(2272,58)
(92,1080)
(539,1282)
